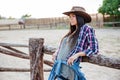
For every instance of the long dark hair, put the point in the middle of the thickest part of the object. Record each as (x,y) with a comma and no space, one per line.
(75,30)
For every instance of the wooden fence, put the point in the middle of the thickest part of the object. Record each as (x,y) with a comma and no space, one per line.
(54,22)
(46,22)
(36,53)
(10,24)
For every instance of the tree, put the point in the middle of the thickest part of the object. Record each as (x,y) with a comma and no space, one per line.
(110,7)
(26,16)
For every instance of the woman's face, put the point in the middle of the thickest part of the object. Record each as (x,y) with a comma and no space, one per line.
(73,20)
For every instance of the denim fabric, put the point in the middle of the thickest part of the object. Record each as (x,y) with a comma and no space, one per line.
(56,71)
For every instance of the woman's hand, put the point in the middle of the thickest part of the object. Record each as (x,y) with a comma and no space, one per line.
(54,56)
(71,59)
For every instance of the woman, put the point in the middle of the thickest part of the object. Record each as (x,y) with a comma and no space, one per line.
(79,41)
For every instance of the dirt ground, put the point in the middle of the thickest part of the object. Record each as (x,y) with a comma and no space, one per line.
(109,45)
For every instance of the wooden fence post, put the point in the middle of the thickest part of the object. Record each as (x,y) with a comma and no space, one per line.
(36,58)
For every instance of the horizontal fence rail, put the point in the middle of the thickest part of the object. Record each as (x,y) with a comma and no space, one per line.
(97,59)
(37,49)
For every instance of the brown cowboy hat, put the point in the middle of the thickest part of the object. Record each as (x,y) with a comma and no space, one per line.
(79,11)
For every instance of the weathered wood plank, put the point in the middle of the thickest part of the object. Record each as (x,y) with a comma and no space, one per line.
(47,70)
(105,61)
(13,49)
(36,58)
(3,69)
(48,63)
(49,50)
(13,45)
(19,55)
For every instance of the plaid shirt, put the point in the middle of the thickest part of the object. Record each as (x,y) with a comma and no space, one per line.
(86,43)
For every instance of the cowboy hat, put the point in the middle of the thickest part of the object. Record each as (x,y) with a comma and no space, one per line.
(79,11)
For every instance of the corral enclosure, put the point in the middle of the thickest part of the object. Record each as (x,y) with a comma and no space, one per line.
(109,42)
(97,21)
(55,22)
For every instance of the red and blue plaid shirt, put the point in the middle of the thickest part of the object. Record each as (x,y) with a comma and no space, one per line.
(87,42)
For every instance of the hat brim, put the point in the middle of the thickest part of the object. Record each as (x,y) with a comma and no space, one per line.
(85,15)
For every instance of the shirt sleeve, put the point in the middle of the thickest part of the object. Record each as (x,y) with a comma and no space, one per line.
(93,43)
